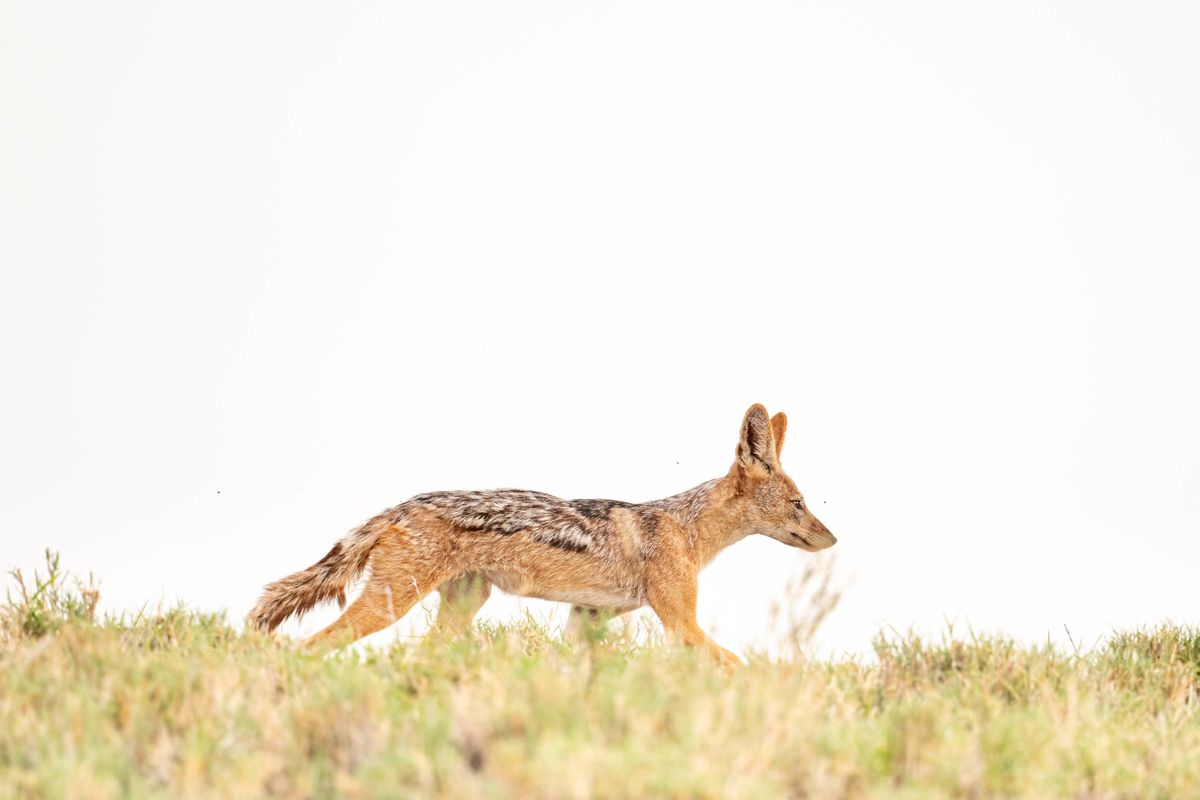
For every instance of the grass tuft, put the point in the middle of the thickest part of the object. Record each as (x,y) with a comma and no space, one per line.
(46,601)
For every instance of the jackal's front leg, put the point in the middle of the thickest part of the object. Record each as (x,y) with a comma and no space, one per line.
(672,595)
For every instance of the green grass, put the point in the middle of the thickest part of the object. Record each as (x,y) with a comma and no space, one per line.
(182,704)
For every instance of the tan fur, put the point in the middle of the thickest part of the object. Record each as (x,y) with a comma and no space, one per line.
(778,431)
(604,557)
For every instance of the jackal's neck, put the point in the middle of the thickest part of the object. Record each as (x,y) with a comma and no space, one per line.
(686,507)
(704,513)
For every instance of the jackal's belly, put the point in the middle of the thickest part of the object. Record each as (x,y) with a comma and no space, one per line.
(615,597)
(593,598)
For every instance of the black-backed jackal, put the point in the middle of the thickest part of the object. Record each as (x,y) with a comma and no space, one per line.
(603,556)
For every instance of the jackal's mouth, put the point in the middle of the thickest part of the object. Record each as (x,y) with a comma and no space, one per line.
(803,541)
(813,545)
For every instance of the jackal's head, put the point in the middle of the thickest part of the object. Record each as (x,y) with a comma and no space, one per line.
(766,499)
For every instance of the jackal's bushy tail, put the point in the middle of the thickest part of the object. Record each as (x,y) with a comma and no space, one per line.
(324,580)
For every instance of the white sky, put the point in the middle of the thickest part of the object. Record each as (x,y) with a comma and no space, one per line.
(269,268)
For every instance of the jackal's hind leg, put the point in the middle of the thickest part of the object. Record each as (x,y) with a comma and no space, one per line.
(586,622)
(375,609)
(462,598)
(400,576)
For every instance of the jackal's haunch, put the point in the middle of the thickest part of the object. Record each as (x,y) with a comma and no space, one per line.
(604,556)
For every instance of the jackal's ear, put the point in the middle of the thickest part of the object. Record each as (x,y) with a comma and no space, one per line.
(756,447)
(779,430)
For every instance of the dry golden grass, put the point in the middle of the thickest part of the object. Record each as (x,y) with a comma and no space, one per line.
(181,704)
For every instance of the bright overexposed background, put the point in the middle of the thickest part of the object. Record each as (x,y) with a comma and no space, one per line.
(271,267)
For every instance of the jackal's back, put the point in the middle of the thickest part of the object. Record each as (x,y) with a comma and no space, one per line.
(575,525)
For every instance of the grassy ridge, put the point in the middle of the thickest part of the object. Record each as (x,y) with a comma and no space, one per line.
(182,704)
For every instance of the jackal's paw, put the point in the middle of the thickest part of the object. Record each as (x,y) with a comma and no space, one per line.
(726,659)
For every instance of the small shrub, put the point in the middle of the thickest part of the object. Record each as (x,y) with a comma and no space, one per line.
(47,601)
